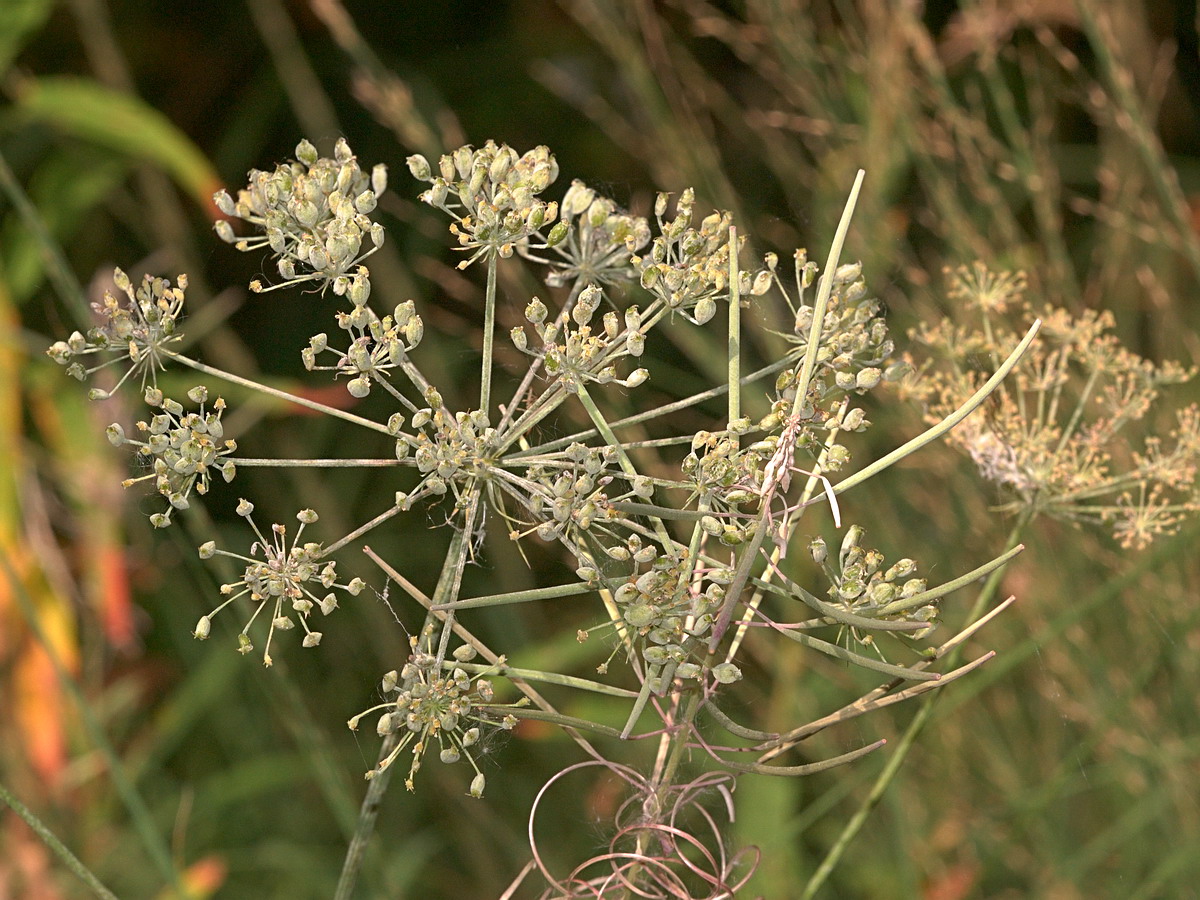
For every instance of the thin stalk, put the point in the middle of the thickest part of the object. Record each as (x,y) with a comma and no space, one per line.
(822,299)
(143,821)
(936,431)
(68,859)
(489,328)
(647,415)
(909,738)
(275,392)
(735,334)
(248,463)
(361,530)
(547,593)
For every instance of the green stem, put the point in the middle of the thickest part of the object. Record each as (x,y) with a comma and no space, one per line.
(947,423)
(275,392)
(489,328)
(735,332)
(143,821)
(851,829)
(301,463)
(69,859)
(822,300)
(447,588)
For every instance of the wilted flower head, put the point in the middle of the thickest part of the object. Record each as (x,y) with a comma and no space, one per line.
(282,581)
(138,331)
(315,215)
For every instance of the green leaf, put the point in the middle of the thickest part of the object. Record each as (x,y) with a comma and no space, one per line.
(20,20)
(129,126)
(65,187)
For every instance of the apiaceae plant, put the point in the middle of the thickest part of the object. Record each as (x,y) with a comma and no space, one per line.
(681,540)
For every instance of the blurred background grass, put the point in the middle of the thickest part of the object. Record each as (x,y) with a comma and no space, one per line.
(1056,137)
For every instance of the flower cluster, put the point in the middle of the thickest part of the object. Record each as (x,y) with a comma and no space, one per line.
(449,448)
(377,345)
(491,192)
(568,493)
(138,331)
(437,704)
(1055,436)
(599,244)
(578,355)
(282,581)
(314,213)
(855,346)
(664,608)
(182,448)
(688,268)
(861,586)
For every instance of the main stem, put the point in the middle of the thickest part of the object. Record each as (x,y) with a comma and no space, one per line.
(446,591)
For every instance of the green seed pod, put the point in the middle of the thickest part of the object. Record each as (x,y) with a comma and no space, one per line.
(867,378)
(645,554)
(640,614)
(818,550)
(705,309)
(306,152)
(726,673)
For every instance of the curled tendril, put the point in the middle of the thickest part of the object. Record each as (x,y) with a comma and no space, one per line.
(665,846)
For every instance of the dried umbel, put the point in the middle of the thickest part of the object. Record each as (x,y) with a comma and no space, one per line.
(1060,438)
(446,705)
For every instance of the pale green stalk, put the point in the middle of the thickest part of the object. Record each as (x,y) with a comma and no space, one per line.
(822,299)
(275,392)
(548,593)
(57,847)
(447,588)
(252,463)
(735,334)
(489,336)
(936,431)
